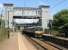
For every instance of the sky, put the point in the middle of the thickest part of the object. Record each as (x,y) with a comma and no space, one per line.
(55,5)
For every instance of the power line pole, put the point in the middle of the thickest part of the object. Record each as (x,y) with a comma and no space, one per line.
(50,26)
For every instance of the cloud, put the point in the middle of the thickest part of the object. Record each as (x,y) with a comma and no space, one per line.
(1,6)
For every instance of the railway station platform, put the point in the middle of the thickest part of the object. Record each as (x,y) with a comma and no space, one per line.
(16,42)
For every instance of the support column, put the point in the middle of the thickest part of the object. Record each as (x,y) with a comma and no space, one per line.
(45,16)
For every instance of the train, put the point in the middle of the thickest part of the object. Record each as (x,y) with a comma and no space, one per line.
(32,32)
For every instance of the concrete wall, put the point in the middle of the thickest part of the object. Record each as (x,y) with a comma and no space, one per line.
(18,12)
(8,16)
(25,12)
(45,16)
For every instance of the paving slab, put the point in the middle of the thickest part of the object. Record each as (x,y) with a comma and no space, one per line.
(16,42)
(10,44)
(24,44)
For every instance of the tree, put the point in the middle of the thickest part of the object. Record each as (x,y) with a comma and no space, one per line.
(60,22)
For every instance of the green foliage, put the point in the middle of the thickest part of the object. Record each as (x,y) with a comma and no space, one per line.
(3,31)
(56,33)
(60,21)
(3,34)
(2,24)
(64,29)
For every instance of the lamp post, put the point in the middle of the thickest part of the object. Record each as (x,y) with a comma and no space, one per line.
(8,25)
(50,26)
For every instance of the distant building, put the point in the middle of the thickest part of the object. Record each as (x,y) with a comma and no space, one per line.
(13,13)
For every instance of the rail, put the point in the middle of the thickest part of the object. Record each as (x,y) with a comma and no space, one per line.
(36,44)
(57,40)
(41,45)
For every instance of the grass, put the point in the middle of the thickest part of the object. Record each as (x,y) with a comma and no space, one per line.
(3,34)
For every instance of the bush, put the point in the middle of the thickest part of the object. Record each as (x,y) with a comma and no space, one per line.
(64,30)
(57,33)
(3,34)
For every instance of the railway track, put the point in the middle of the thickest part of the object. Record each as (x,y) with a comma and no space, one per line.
(55,45)
(41,45)
(37,45)
(56,41)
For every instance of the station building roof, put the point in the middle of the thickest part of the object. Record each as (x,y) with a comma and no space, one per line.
(26,8)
